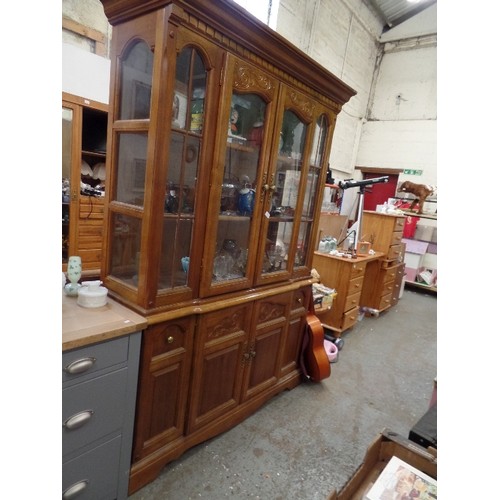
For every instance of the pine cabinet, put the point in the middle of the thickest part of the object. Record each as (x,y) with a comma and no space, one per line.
(219,140)
(350,278)
(84,128)
(383,282)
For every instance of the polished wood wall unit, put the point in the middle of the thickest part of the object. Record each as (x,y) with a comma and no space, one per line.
(84,129)
(219,140)
(348,278)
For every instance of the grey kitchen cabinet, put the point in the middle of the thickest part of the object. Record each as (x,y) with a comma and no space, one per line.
(98,403)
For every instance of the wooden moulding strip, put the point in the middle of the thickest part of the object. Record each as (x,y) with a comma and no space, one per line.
(249,296)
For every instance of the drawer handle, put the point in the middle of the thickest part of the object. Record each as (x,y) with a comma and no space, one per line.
(77,420)
(75,489)
(356,286)
(80,365)
(170,339)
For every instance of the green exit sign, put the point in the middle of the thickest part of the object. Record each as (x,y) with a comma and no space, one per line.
(411,171)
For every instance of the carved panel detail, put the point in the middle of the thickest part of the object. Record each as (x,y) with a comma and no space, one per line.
(269,311)
(228,325)
(247,78)
(305,105)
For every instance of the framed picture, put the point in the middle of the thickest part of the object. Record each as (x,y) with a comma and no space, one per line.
(363,248)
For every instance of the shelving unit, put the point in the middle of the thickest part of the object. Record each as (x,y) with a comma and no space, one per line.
(84,161)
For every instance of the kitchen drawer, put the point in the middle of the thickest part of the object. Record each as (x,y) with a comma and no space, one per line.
(388,274)
(349,318)
(352,301)
(358,269)
(93,473)
(397,237)
(385,301)
(88,361)
(394,251)
(387,288)
(399,224)
(355,285)
(300,300)
(97,407)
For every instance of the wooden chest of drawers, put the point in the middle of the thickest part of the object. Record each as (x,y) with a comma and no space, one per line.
(385,232)
(347,276)
(383,285)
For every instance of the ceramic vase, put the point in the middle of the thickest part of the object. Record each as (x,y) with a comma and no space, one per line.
(74,273)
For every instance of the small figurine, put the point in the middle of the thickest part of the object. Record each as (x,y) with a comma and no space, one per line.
(233,120)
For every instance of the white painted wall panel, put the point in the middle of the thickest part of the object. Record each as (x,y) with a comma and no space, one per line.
(406,86)
(85,74)
(401,144)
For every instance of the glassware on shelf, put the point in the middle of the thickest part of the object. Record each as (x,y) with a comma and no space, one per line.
(223,265)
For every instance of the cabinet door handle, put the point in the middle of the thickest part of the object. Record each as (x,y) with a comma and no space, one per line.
(75,489)
(77,420)
(80,365)
(267,187)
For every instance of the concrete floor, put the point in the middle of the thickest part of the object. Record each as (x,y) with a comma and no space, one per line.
(304,443)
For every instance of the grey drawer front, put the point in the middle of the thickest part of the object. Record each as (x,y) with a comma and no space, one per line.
(99,467)
(105,397)
(106,354)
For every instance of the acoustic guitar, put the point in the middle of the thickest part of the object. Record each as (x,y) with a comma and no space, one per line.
(317,365)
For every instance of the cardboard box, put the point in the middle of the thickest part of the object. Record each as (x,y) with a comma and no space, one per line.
(383,448)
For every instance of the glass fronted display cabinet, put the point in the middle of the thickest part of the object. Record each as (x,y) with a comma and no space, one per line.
(220,134)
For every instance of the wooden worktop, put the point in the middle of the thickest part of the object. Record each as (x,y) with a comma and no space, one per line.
(359,258)
(83,326)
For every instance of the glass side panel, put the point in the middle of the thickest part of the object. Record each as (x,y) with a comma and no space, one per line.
(245,128)
(316,161)
(125,247)
(182,170)
(136,81)
(283,203)
(67,146)
(189,96)
(131,168)
(176,244)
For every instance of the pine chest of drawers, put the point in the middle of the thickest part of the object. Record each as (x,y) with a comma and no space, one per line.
(347,276)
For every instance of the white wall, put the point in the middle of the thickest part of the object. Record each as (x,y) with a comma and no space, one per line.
(401,131)
(85,74)
(343,37)
(375,128)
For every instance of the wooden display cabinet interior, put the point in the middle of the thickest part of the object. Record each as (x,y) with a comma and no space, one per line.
(84,140)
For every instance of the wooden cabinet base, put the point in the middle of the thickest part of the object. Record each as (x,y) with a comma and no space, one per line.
(146,470)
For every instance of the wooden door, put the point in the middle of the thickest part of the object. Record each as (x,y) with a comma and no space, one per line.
(378,193)
(263,362)
(222,340)
(163,385)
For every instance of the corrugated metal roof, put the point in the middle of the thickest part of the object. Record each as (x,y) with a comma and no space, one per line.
(394,12)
